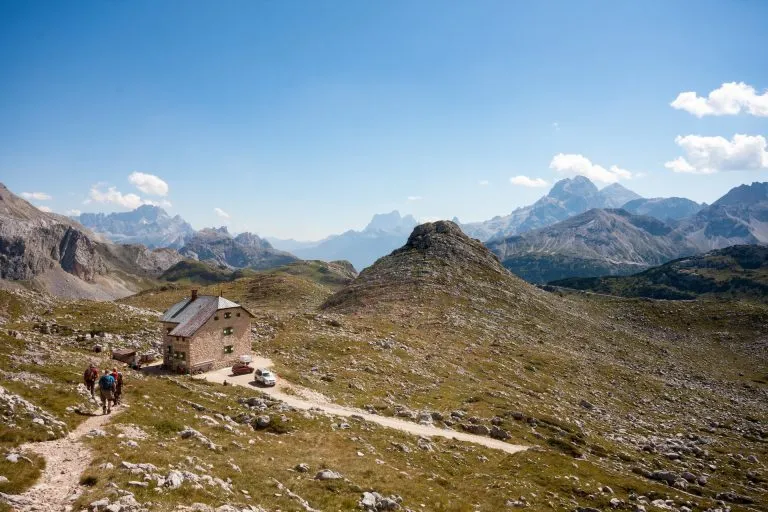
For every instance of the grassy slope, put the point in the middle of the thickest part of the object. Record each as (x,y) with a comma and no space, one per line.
(642,363)
(734,272)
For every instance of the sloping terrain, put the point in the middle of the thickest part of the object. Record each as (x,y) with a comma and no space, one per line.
(54,253)
(597,242)
(146,225)
(739,217)
(438,329)
(625,403)
(217,247)
(740,271)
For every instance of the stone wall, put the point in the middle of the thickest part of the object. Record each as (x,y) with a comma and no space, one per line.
(209,342)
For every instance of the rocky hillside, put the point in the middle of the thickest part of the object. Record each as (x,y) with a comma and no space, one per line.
(740,271)
(438,254)
(54,253)
(383,234)
(598,242)
(218,248)
(616,398)
(567,198)
(147,225)
(739,217)
(664,208)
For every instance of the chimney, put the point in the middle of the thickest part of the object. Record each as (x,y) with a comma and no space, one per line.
(194,295)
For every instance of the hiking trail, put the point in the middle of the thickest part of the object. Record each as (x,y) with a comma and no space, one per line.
(308,399)
(65,460)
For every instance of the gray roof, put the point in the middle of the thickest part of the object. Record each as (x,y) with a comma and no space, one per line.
(190,314)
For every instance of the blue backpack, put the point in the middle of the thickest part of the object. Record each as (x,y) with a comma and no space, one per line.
(107,382)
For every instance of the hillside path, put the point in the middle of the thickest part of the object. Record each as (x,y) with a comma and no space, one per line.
(65,460)
(308,399)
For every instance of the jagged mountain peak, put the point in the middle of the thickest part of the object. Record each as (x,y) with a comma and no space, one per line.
(391,222)
(578,185)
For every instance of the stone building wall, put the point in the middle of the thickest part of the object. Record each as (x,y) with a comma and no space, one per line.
(209,342)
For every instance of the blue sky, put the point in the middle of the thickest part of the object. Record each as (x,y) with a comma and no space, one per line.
(304,118)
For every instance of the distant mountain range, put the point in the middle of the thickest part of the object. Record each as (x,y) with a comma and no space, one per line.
(616,242)
(596,242)
(663,208)
(246,250)
(567,198)
(147,225)
(575,230)
(383,234)
(739,271)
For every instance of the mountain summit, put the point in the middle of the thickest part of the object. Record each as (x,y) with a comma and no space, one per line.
(438,262)
(568,197)
(148,225)
(384,233)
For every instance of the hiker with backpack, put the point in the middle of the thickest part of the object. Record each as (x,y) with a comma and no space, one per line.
(90,376)
(107,391)
(118,385)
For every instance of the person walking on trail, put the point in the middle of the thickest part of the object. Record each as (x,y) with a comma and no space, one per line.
(107,391)
(90,376)
(118,376)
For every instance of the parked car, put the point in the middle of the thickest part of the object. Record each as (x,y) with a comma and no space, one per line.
(265,377)
(241,368)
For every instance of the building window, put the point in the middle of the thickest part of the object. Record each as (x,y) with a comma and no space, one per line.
(228,349)
(180,356)
(215,318)
(228,331)
(170,349)
(169,330)
(227,315)
(238,314)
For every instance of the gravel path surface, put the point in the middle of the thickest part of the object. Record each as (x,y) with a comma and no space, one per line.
(307,399)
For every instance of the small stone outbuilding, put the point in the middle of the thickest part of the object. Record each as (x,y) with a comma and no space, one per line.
(204,332)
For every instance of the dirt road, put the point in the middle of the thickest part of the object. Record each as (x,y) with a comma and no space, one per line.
(308,399)
(65,460)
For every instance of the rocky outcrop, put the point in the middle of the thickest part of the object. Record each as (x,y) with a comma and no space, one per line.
(437,261)
(36,245)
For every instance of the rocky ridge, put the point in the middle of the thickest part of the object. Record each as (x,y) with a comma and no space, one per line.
(47,248)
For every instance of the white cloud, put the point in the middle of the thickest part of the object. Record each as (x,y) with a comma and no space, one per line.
(525,181)
(708,155)
(149,183)
(44,209)
(483,183)
(728,100)
(221,213)
(556,126)
(114,196)
(414,198)
(39,196)
(73,213)
(581,165)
